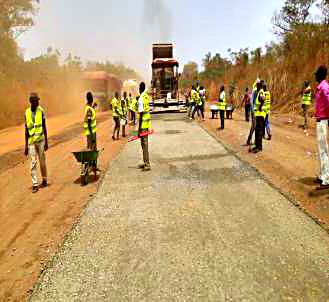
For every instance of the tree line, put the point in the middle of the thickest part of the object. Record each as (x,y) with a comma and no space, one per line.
(56,79)
(302,45)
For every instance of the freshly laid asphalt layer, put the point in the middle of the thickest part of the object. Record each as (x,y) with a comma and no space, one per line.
(201,226)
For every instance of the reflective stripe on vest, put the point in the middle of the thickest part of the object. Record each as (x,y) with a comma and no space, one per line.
(222,103)
(267,102)
(93,125)
(35,128)
(307,97)
(257,107)
(146,119)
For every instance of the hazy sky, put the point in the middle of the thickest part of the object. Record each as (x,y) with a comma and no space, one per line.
(123,30)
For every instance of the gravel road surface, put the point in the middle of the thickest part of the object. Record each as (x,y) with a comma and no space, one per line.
(201,226)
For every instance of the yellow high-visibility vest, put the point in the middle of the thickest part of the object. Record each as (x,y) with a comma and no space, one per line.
(222,102)
(146,119)
(93,125)
(259,112)
(307,97)
(34,128)
(267,102)
(115,107)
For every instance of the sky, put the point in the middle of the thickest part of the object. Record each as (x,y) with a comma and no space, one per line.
(124,30)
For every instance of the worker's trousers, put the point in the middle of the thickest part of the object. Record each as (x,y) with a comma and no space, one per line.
(198,108)
(37,151)
(322,133)
(145,148)
(247,108)
(267,126)
(252,128)
(190,109)
(222,118)
(259,132)
(305,114)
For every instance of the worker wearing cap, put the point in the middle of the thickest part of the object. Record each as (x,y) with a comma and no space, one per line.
(307,100)
(36,140)
(267,109)
(89,124)
(253,118)
(322,118)
(260,116)
(144,124)
(115,104)
(222,106)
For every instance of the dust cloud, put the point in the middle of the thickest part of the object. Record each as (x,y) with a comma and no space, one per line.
(159,17)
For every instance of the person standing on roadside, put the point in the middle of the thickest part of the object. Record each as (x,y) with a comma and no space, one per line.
(253,118)
(307,100)
(322,118)
(89,124)
(198,104)
(247,104)
(260,116)
(222,106)
(124,113)
(267,109)
(115,104)
(144,124)
(36,140)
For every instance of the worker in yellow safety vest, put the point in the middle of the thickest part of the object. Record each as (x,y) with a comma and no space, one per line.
(307,101)
(89,123)
(36,140)
(116,112)
(222,106)
(133,107)
(144,124)
(267,109)
(195,94)
(124,113)
(260,115)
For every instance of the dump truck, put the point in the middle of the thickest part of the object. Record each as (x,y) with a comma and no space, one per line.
(103,86)
(165,78)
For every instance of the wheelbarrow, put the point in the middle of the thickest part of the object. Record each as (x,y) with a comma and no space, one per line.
(88,160)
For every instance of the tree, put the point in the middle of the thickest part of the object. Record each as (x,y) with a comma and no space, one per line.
(292,14)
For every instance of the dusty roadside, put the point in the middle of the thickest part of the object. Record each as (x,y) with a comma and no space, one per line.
(34,225)
(289,160)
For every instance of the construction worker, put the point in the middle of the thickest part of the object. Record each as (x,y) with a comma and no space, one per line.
(89,124)
(198,103)
(307,100)
(193,97)
(260,116)
(133,109)
(144,124)
(115,104)
(322,118)
(247,104)
(253,118)
(130,98)
(267,109)
(36,140)
(222,106)
(124,113)
(203,96)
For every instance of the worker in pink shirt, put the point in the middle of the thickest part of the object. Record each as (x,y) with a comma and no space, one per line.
(322,118)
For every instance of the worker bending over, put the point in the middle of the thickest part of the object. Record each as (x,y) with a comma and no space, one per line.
(260,116)
(222,106)
(89,124)
(115,104)
(144,124)
(36,140)
(307,100)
